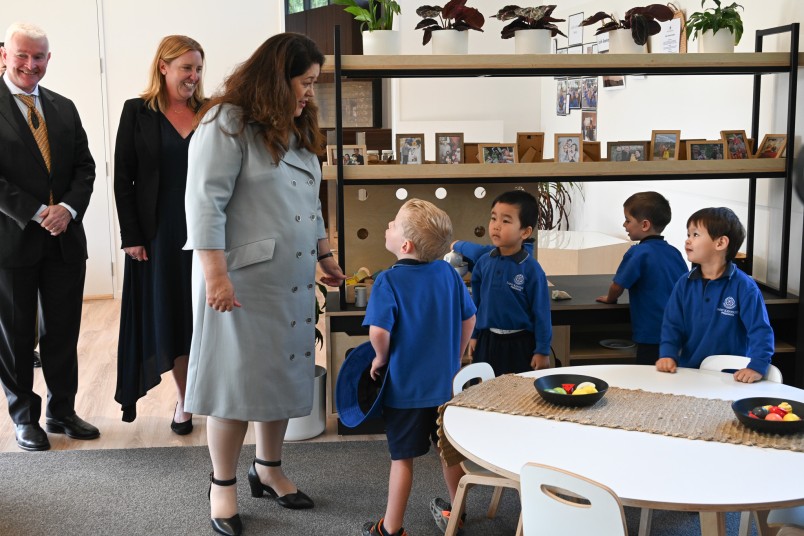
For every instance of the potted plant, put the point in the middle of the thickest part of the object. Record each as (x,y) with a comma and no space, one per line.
(376,23)
(641,22)
(713,19)
(456,16)
(554,200)
(531,27)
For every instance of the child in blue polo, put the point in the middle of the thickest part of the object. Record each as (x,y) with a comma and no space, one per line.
(649,270)
(716,308)
(420,319)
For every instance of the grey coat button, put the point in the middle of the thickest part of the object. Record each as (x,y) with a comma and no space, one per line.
(293,183)
(307,354)
(309,320)
(309,286)
(298,218)
(312,217)
(310,182)
(292,323)
(298,254)
(292,357)
(294,289)
(312,252)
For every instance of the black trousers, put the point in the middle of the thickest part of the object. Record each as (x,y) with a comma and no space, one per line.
(60,286)
(507,354)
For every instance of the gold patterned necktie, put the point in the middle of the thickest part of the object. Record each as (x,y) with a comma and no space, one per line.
(39,130)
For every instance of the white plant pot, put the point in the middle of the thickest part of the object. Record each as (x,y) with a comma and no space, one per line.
(532,41)
(720,43)
(381,43)
(316,422)
(621,42)
(447,42)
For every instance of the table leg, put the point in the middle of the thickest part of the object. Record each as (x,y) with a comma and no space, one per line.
(713,523)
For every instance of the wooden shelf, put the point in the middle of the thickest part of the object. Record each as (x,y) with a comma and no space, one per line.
(403,66)
(588,171)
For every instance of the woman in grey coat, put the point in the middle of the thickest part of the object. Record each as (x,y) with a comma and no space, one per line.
(254,223)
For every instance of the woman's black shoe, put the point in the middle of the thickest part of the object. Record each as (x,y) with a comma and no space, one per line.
(294,501)
(181,428)
(230,526)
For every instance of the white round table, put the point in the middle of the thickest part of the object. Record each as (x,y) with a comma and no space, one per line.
(643,469)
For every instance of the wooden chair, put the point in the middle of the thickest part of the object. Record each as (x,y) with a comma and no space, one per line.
(475,474)
(789,521)
(556,502)
(723,363)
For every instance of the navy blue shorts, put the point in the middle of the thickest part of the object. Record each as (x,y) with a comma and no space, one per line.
(410,431)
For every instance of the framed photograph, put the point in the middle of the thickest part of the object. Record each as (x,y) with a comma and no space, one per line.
(498,153)
(772,146)
(574,93)
(575,30)
(530,146)
(449,148)
(353,155)
(589,93)
(562,97)
(590,48)
(627,151)
(664,144)
(589,125)
(613,82)
(569,147)
(737,144)
(360,104)
(410,148)
(706,150)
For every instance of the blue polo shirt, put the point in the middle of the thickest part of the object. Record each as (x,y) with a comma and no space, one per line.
(649,270)
(423,306)
(723,316)
(511,292)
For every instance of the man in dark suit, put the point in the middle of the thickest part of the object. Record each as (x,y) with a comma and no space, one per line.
(46,179)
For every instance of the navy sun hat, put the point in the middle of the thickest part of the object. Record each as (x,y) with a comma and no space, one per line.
(357,396)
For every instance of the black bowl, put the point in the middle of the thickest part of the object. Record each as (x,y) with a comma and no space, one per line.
(743,406)
(555,380)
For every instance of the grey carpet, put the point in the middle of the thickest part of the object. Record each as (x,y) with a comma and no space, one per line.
(164,491)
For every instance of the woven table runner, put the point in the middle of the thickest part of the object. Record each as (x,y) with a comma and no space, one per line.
(628,409)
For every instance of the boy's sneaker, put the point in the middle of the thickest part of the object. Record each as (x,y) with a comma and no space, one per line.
(376,529)
(441,510)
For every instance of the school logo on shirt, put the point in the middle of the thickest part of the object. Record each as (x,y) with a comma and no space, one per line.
(729,307)
(518,282)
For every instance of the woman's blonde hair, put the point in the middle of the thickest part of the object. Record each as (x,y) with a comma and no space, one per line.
(428,227)
(171,47)
(260,87)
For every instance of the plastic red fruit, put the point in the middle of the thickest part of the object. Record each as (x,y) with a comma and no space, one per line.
(778,411)
(568,387)
(773,417)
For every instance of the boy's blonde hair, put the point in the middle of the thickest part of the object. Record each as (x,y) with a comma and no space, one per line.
(428,227)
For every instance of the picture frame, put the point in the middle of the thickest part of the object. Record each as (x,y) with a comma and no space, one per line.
(627,151)
(664,144)
(772,146)
(589,93)
(575,30)
(590,48)
(737,144)
(471,155)
(449,148)
(410,149)
(591,151)
(530,146)
(574,93)
(589,125)
(568,148)
(359,105)
(613,82)
(682,147)
(706,149)
(354,155)
(498,153)
(562,97)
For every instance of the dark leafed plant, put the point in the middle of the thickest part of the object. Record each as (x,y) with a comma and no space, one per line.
(554,199)
(453,16)
(716,18)
(528,18)
(319,308)
(377,15)
(642,21)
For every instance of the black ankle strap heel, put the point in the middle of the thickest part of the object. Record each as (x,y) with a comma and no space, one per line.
(268,464)
(217,482)
(231,526)
(295,501)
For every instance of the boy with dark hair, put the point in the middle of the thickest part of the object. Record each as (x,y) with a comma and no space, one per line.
(649,270)
(716,308)
(420,318)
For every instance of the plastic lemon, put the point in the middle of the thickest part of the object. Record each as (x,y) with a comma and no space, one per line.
(585,384)
(785,406)
(791,417)
(584,391)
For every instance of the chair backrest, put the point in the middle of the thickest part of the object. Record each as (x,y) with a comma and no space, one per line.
(729,362)
(474,371)
(554,501)
(787,516)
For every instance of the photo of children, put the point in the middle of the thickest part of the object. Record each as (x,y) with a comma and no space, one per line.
(772,146)
(562,103)
(736,142)
(353,155)
(574,93)
(410,148)
(589,125)
(568,148)
(449,148)
(664,145)
(589,94)
(627,152)
(498,154)
(706,151)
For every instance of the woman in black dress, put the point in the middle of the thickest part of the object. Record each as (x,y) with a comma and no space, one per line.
(149,182)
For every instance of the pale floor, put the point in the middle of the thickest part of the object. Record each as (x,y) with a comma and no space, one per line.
(97,376)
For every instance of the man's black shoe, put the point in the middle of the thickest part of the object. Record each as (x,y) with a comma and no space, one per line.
(37,360)
(31,437)
(74,426)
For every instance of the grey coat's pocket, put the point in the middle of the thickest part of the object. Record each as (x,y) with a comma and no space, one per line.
(249,254)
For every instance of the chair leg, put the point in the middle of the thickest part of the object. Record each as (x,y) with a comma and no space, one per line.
(645,520)
(761,522)
(495,502)
(457,507)
(745,523)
